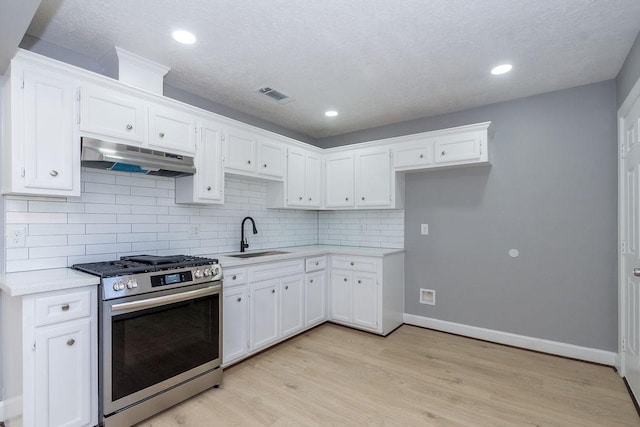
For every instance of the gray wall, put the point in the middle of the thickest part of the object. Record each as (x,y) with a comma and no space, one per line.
(629,73)
(551,193)
(70,57)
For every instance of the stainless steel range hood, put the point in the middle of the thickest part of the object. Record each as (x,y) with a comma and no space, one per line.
(127,158)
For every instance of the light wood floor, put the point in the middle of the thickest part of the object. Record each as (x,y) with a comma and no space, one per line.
(333,375)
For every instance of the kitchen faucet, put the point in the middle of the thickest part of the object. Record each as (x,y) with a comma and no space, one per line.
(243,241)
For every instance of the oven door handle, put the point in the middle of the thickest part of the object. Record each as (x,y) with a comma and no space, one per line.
(159,301)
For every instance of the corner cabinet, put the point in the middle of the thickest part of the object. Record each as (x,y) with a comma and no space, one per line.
(301,188)
(41,148)
(247,152)
(53,338)
(207,185)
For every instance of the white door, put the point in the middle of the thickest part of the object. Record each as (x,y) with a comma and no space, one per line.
(291,305)
(373,177)
(340,295)
(63,374)
(235,323)
(315,298)
(263,314)
(339,181)
(365,300)
(295,178)
(240,150)
(629,183)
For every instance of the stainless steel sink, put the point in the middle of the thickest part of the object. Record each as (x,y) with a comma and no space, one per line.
(256,254)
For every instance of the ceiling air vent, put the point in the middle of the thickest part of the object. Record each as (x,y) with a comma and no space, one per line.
(277,96)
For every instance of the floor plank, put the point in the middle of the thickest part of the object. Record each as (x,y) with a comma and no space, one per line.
(333,375)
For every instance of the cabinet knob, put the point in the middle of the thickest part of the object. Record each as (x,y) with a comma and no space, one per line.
(310,280)
(310,199)
(359,281)
(362,197)
(422,156)
(129,126)
(71,341)
(208,188)
(300,198)
(345,279)
(346,198)
(233,277)
(248,162)
(286,287)
(239,299)
(317,262)
(65,307)
(273,291)
(264,166)
(53,172)
(161,134)
(351,263)
(443,153)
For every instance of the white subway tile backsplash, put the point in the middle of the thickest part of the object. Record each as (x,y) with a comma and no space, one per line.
(56,251)
(57,207)
(38,241)
(91,239)
(36,264)
(108,228)
(92,218)
(49,229)
(357,228)
(35,218)
(107,248)
(90,187)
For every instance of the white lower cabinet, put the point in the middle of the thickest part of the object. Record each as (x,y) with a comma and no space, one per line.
(315,297)
(49,343)
(354,298)
(235,321)
(263,314)
(291,305)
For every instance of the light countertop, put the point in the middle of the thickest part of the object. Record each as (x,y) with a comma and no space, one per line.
(31,282)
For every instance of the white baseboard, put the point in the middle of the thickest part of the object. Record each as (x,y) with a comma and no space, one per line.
(530,343)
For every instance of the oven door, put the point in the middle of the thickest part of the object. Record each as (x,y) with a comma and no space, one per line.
(152,343)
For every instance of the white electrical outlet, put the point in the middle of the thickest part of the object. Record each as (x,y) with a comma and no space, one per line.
(427,296)
(424,229)
(16,237)
(193,230)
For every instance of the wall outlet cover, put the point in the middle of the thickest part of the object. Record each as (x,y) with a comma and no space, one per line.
(427,296)
(16,237)
(424,229)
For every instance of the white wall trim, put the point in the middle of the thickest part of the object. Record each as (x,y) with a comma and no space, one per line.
(530,343)
(1,410)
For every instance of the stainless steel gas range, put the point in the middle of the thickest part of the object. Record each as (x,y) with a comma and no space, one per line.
(160,333)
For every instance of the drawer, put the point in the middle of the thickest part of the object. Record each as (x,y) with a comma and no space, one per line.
(354,263)
(315,263)
(275,270)
(63,307)
(234,276)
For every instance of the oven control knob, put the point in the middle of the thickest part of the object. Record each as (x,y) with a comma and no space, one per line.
(207,272)
(132,283)
(198,274)
(118,286)
(216,271)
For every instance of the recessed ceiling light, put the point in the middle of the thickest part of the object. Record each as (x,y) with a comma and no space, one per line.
(184,37)
(501,69)
(331,113)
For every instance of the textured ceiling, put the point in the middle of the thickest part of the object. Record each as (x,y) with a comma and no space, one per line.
(375,61)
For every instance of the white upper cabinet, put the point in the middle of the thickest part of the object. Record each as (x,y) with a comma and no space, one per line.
(207,185)
(239,150)
(171,129)
(41,152)
(339,181)
(271,158)
(458,148)
(106,112)
(373,177)
(413,155)
(303,182)
(313,180)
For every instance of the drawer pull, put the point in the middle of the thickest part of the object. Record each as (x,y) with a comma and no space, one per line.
(71,341)
(310,280)
(273,291)
(234,277)
(53,173)
(161,134)
(444,153)
(239,299)
(351,263)
(65,307)
(345,279)
(286,287)
(129,126)
(317,262)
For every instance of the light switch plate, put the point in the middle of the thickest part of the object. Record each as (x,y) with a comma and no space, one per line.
(424,229)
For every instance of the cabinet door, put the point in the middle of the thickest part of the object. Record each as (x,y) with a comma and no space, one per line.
(416,155)
(340,295)
(457,148)
(51,145)
(271,159)
(235,323)
(313,180)
(263,314)
(63,374)
(296,178)
(373,177)
(365,300)
(291,305)
(240,150)
(108,113)
(209,174)
(315,295)
(171,130)
(339,181)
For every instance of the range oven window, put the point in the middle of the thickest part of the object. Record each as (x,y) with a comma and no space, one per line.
(155,344)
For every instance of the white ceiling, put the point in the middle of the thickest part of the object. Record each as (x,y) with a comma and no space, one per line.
(375,61)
